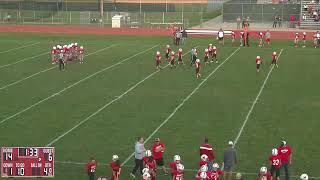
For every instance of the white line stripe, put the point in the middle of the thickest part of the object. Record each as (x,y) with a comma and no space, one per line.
(72,85)
(182,103)
(48,69)
(188,170)
(254,103)
(24,59)
(20,47)
(103,107)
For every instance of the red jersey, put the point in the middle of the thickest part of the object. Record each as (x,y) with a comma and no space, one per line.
(233,36)
(115,170)
(151,165)
(296,36)
(304,37)
(145,159)
(207,150)
(214,175)
(173,56)
(168,50)
(158,57)
(91,167)
(180,54)
(210,48)
(206,54)
(178,175)
(274,57)
(214,50)
(81,51)
(275,161)
(258,60)
(266,176)
(157,155)
(285,153)
(201,163)
(54,51)
(260,35)
(173,167)
(198,64)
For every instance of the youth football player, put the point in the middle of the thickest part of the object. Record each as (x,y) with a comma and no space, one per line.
(260,39)
(275,164)
(274,59)
(115,166)
(91,168)
(178,174)
(214,54)
(180,54)
(197,65)
(233,39)
(268,37)
(296,40)
(258,63)
(54,53)
(168,52)
(172,59)
(264,174)
(81,54)
(158,60)
(174,163)
(304,39)
(206,56)
(216,172)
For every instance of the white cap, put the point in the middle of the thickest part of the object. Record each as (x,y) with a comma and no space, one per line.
(230,142)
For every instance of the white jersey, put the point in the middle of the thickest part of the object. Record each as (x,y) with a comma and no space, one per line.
(318,35)
(220,34)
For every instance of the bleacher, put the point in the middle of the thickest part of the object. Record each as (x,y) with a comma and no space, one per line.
(309,23)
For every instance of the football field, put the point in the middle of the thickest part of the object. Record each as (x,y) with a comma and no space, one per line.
(99,108)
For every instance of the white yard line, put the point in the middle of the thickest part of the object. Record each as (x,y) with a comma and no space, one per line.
(254,103)
(74,84)
(103,107)
(187,170)
(182,103)
(20,47)
(24,59)
(48,69)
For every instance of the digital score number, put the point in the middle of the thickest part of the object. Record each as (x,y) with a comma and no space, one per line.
(27,162)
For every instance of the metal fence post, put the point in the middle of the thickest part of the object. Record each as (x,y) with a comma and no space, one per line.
(70,18)
(262,14)
(242,10)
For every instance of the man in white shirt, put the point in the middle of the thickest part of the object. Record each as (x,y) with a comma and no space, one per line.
(221,36)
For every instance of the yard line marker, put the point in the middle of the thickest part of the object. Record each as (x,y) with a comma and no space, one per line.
(182,103)
(24,59)
(48,69)
(105,106)
(72,85)
(188,170)
(254,103)
(20,47)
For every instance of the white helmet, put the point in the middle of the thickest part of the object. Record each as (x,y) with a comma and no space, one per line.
(274,53)
(204,168)
(180,50)
(206,50)
(304,177)
(59,46)
(203,175)
(81,47)
(274,152)
(180,167)
(297,33)
(72,44)
(54,47)
(115,157)
(258,57)
(198,60)
(148,153)
(263,170)
(146,176)
(64,46)
(210,44)
(76,44)
(172,52)
(260,32)
(145,170)
(215,166)
(168,46)
(176,158)
(232,32)
(204,157)
(158,52)
(304,33)
(214,47)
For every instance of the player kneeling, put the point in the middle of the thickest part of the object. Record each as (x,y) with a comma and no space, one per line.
(216,172)
(116,169)
(258,63)
(264,174)
(296,40)
(180,61)
(197,65)
(81,54)
(274,59)
(158,60)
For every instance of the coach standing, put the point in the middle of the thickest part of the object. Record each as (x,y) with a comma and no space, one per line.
(285,151)
(61,60)
(138,155)
(91,168)
(230,160)
(157,151)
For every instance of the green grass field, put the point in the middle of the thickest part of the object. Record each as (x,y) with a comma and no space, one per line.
(98,108)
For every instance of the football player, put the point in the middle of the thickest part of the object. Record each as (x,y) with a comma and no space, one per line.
(81,54)
(214,54)
(168,52)
(264,174)
(202,173)
(296,40)
(274,59)
(203,160)
(54,53)
(268,37)
(206,56)
(115,166)
(260,39)
(174,163)
(180,61)
(178,174)
(172,59)
(304,39)
(197,65)
(233,39)
(158,60)
(216,172)
(258,63)
(275,164)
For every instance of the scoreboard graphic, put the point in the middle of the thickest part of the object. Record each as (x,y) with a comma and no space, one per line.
(27,162)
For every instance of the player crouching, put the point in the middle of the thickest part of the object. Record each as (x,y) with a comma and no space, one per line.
(274,59)
(180,54)
(296,40)
(158,60)
(197,65)
(81,54)
(150,164)
(116,169)
(54,53)
(258,63)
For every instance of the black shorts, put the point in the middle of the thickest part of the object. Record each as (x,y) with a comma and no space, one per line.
(220,38)
(167,55)
(274,170)
(160,162)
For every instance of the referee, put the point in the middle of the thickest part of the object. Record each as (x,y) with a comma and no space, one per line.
(138,155)
(61,60)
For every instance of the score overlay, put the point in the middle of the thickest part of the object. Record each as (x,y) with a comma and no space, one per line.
(27,161)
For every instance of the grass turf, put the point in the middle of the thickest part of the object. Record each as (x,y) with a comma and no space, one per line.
(286,109)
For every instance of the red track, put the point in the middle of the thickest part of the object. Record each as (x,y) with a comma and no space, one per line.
(122,31)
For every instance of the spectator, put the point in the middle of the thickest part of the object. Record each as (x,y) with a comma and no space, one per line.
(238,22)
(285,153)
(275,19)
(91,168)
(305,7)
(304,17)
(138,155)
(184,36)
(207,149)
(157,151)
(178,36)
(279,21)
(292,21)
(192,55)
(230,159)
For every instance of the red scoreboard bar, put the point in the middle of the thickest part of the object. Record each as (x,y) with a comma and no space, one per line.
(27,162)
